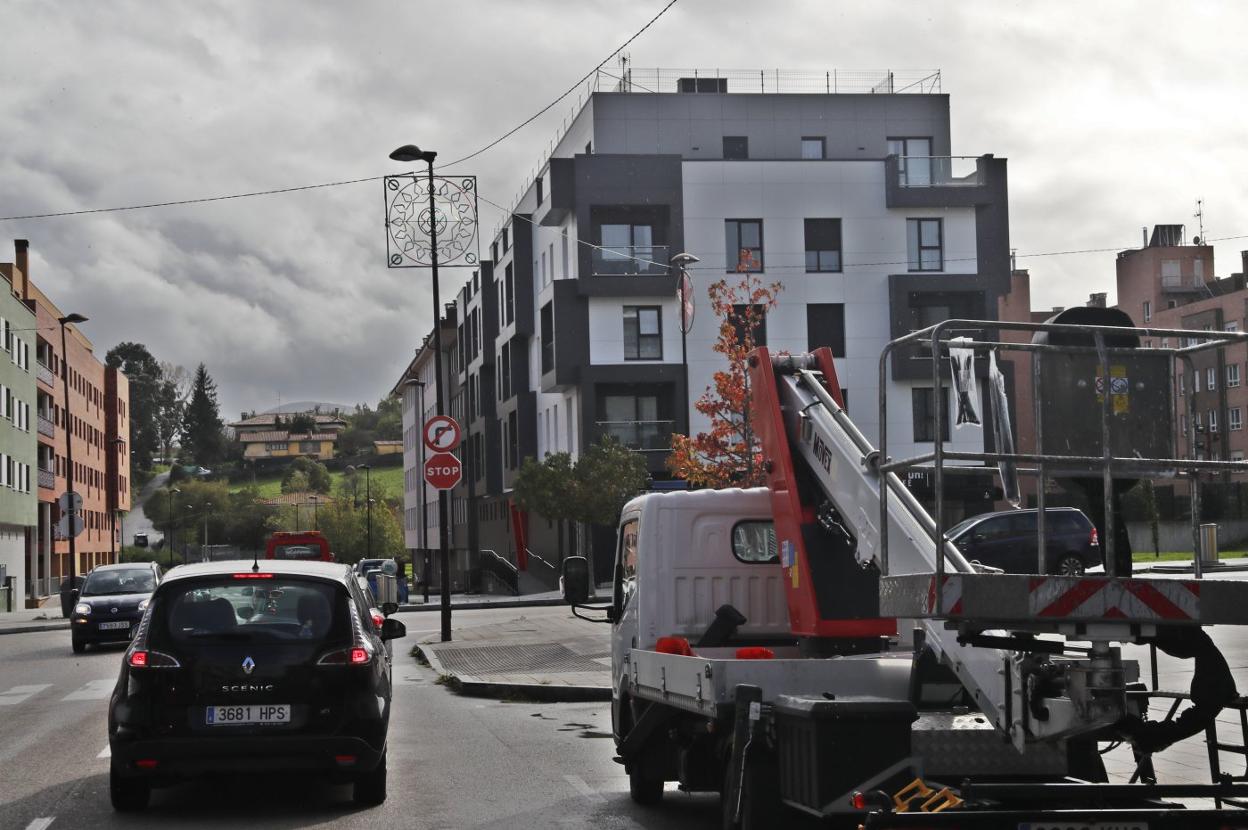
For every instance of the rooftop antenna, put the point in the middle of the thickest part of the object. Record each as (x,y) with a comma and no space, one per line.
(1200,220)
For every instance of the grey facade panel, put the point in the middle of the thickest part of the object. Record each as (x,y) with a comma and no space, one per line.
(571,324)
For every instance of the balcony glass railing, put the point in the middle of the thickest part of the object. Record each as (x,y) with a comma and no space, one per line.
(642,436)
(938,171)
(630,261)
(44,374)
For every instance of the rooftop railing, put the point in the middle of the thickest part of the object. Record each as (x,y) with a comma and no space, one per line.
(938,171)
(773,81)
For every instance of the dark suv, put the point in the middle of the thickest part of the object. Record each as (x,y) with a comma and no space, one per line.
(1007,540)
(238,667)
(112,599)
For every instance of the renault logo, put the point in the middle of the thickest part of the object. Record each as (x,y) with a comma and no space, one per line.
(114,610)
(249,665)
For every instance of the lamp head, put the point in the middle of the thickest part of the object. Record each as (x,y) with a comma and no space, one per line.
(410,152)
(71,318)
(682,259)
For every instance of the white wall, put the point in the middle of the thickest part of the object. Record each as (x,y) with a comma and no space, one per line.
(783,194)
(606,328)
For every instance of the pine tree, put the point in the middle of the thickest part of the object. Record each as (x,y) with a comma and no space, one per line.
(201,423)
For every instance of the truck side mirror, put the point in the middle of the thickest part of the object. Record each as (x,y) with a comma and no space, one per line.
(574,580)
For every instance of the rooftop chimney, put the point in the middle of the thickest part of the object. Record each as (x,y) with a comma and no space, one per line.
(21,260)
(1097,300)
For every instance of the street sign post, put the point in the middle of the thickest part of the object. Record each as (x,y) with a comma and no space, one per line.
(443,471)
(71,523)
(442,434)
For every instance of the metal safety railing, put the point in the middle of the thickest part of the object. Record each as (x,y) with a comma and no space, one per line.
(630,261)
(500,568)
(771,81)
(1109,354)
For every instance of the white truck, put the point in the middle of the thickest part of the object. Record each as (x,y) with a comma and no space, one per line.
(802,646)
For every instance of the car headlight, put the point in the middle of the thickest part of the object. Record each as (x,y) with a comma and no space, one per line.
(143,605)
(82,608)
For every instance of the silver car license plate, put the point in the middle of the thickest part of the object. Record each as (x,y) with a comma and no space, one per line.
(114,626)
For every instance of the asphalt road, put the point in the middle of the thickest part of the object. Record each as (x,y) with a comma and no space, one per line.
(454,761)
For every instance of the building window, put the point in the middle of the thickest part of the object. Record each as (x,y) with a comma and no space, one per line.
(504,372)
(1231,325)
(825,326)
(548,338)
(925,244)
(506,240)
(541,193)
(1182,388)
(823,245)
(1235,421)
(1213,420)
(1148,311)
(743,245)
(814,147)
(736,147)
(1237,455)
(563,254)
(622,247)
(922,401)
(643,334)
(1211,379)
(1232,375)
(513,441)
(742,317)
(509,295)
(310,447)
(914,162)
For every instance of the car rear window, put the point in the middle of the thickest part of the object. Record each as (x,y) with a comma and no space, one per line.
(302,552)
(281,608)
(1069,522)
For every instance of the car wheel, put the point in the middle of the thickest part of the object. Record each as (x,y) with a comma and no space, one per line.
(643,789)
(77,645)
(370,788)
(1070,565)
(128,795)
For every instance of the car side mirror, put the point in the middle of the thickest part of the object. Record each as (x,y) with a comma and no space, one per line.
(574,580)
(389,608)
(393,630)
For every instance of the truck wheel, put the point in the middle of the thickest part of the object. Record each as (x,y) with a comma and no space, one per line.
(129,795)
(1069,565)
(643,790)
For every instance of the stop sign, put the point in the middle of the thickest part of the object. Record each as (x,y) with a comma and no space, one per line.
(443,471)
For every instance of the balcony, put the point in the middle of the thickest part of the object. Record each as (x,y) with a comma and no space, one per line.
(630,261)
(47,479)
(45,426)
(640,436)
(938,171)
(45,376)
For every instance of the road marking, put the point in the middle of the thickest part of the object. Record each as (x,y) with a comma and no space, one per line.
(17,694)
(41,823)
(95,690)
(106,752)
(584,789)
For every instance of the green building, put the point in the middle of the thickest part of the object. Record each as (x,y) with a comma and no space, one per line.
(19,483)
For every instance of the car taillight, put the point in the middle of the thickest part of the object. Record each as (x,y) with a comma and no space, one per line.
(359,656)
(359,653)
(1093,539)
(378,619)
(144,659)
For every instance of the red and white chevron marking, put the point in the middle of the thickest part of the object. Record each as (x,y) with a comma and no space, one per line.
(1113,599)
(950,595)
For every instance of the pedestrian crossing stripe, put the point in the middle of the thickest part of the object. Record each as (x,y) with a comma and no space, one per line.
(95,690)
(17,694)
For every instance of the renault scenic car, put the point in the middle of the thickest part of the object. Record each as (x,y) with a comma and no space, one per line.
(248,668)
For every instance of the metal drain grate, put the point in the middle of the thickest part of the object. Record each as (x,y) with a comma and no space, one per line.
(547,658)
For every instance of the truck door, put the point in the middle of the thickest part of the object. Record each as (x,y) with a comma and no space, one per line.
(625,630)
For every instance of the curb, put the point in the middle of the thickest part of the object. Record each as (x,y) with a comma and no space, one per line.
(513,691)
(479,606)
(33,628)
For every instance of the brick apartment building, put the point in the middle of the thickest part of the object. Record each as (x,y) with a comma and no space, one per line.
(96,421)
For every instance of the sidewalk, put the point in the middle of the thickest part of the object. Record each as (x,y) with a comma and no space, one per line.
(1188,567)
(28,620)
(543,654)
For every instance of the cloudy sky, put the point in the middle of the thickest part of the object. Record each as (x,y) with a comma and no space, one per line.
(1113,115)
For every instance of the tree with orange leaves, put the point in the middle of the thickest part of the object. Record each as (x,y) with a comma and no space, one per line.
(728,455)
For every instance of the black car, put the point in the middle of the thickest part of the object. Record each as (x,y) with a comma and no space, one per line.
(1008,540)
(110,603)
(250,668)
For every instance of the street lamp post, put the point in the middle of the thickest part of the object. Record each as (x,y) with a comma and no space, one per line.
(68,427)
(169,509)
(207,512)
(316,518)
(409,153)
(368,507)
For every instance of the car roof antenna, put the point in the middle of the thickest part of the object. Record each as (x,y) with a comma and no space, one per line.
(255,561)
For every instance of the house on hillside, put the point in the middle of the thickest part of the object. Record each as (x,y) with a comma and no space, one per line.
(289,435)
